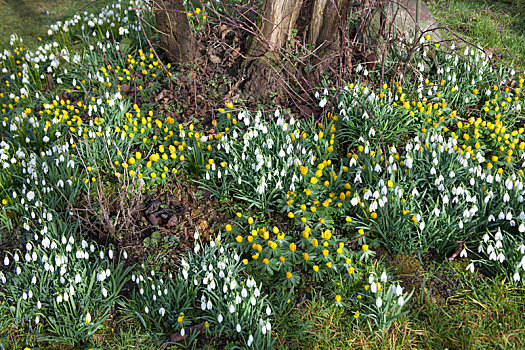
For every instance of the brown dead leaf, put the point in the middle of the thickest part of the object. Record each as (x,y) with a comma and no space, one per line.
(215,59)
(202,224)
(163,94)
(153,219)
(173,221)
(177,337)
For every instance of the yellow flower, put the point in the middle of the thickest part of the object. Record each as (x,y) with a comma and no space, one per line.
(351,270)
(250,220)
(228,227)
(293,247)
(206,324)
(329,264)
(313,180)
(266,261)
(316,268)
(238,239)
(289,275)
(338,298)
(361,231)
(365,247)
(306,256)
(291,215)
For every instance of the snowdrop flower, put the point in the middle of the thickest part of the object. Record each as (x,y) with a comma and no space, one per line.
(470,267)
(379,302)
(384,277)
(516,277)
(399,290)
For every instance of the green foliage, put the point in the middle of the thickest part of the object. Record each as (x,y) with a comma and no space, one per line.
(59,284)
(425,164)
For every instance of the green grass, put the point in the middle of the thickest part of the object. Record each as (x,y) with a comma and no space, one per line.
(495,25)
(29,18)
(482,314)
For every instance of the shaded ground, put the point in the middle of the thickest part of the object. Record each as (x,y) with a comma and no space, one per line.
(496,25)
(29,18)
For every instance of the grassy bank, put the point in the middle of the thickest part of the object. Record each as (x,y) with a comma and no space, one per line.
(29,19)
(495,25)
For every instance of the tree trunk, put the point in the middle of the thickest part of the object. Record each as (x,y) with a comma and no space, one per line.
(175,34)
(320,22)
(280,18)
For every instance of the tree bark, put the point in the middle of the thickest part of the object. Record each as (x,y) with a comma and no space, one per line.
(323,22)
(320,23)
(175,34)
(280,18)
